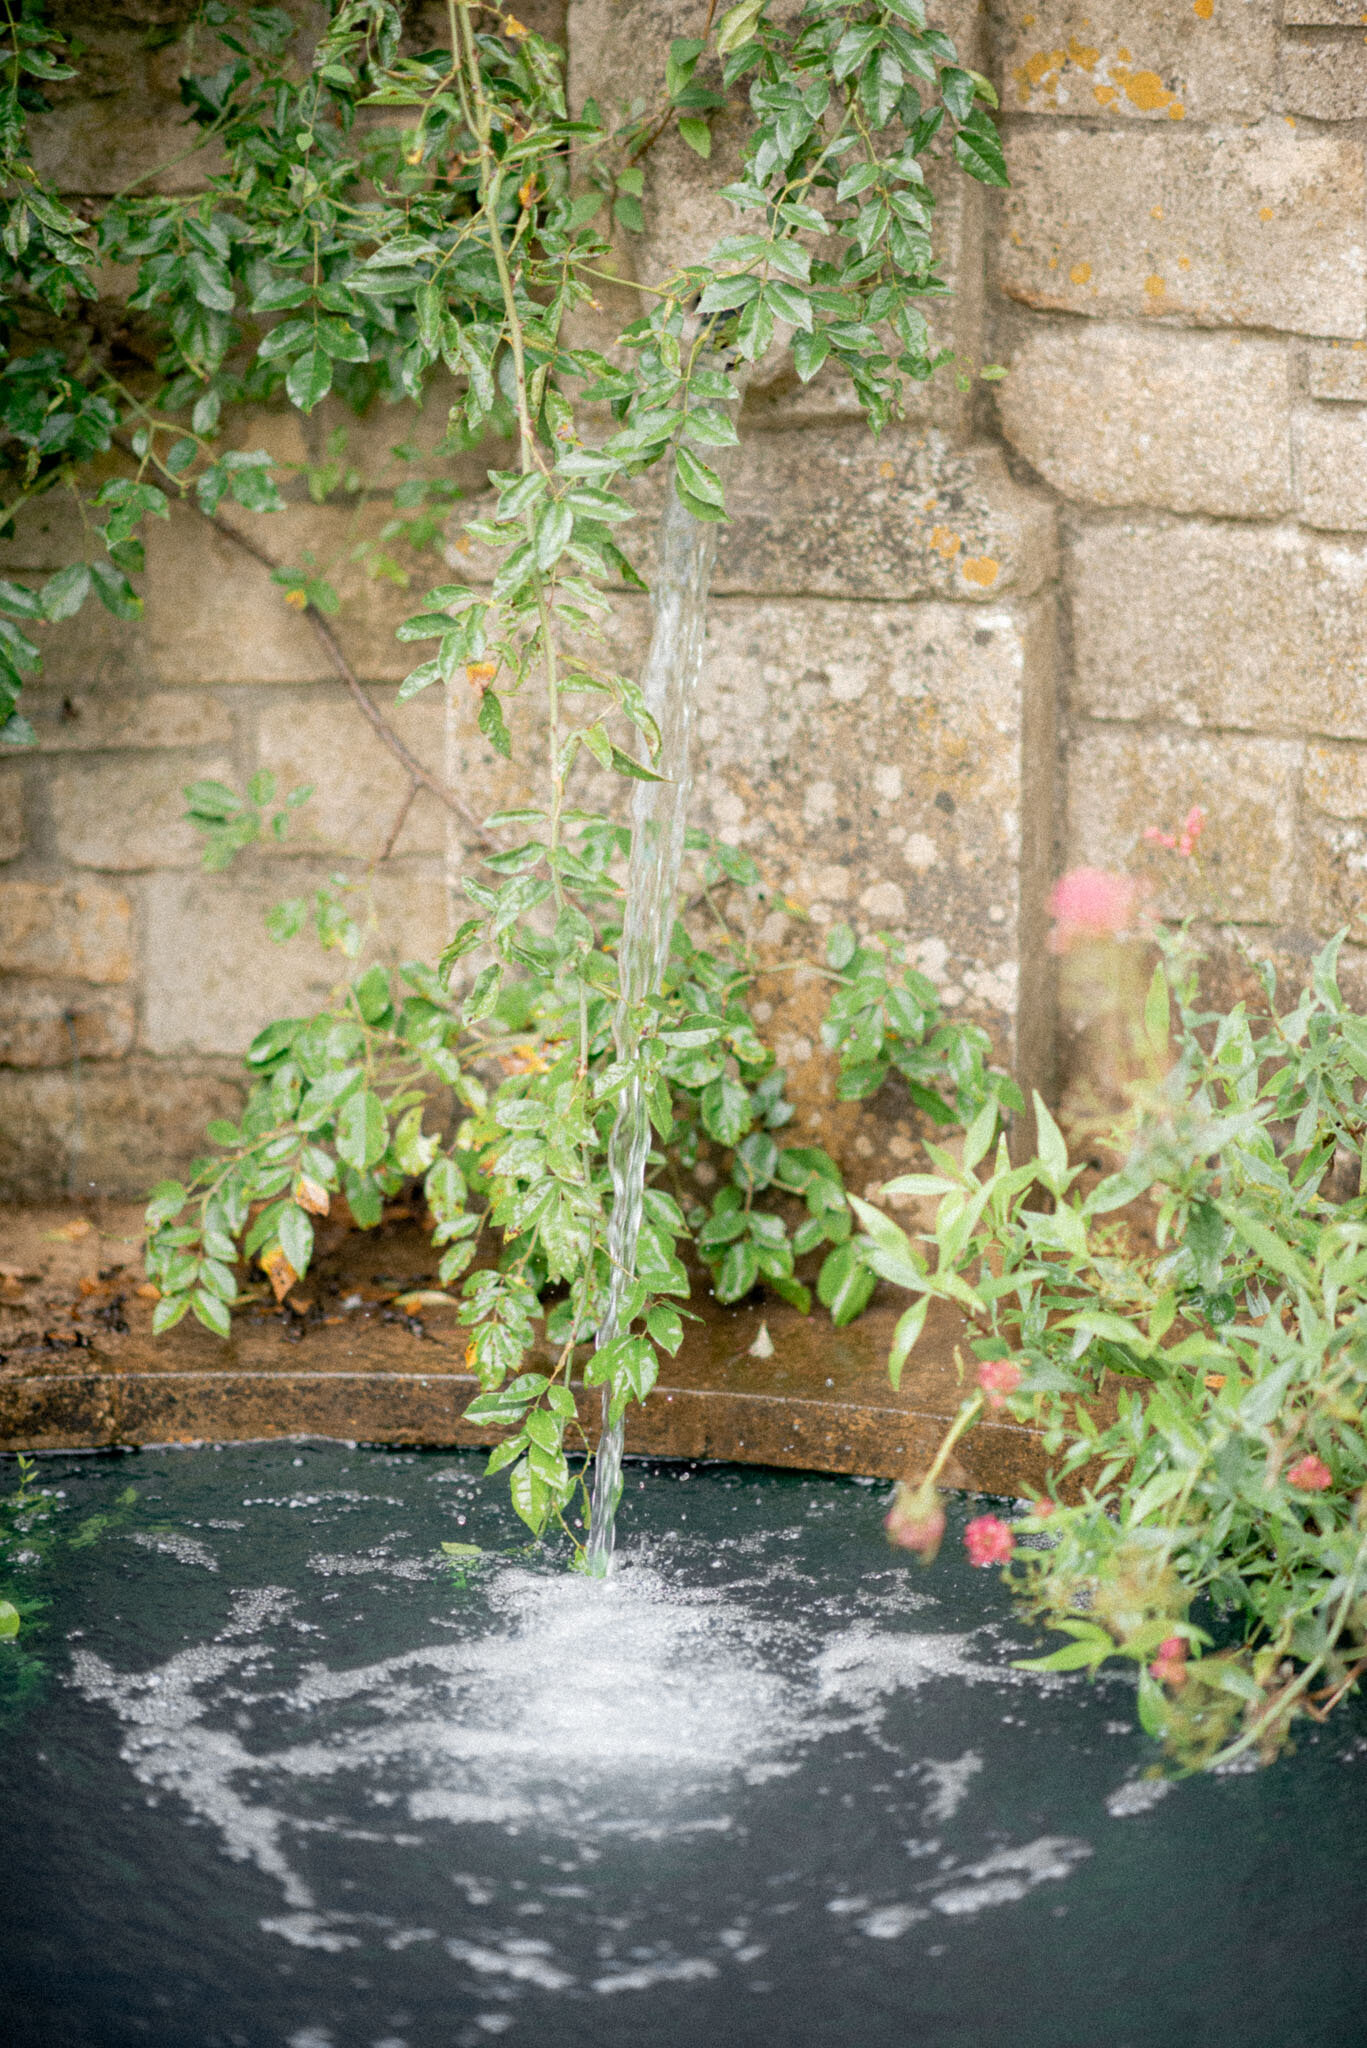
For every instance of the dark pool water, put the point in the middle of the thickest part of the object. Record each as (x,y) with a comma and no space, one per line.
(285,1782)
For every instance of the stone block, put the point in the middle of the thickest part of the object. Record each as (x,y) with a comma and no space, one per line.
(1221,625)
(1336,781)
(123,814)
(1262,226)
(322,738)
(1324,13)
(1120,782)
(12,834)
(1331,466)
(50,1023)
(79,930)
(127,1127)
(1338,371)
(1326,78)
(892,765)
(1146,416)
(89,721)
(212,977)
(838,512)
(1338,877)
(1152,61)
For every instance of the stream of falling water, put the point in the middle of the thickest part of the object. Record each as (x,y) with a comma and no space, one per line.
(686,549)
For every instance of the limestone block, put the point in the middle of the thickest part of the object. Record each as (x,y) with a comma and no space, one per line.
(89,721)
(50,1023)
(321,738)
(213,977)
(1152,61)
(891,765)
(48,534)
(1262,226)
(837,512)
(1338,371)
(1121,781)
(1338,877)
(82,931)
(1228,625)
(124,814)
(1331,466)
(1336,781)
(1325,79)
(12,834)
(214,616)
(130,1125)
(1145,416)
(1323,13)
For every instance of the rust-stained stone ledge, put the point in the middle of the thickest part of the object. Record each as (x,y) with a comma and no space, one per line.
(819,1401)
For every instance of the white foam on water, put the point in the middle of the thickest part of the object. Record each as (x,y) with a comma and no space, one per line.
(184,1549)
(1137,1795)
(577,1710)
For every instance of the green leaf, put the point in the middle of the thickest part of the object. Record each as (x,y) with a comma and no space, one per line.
(737,25)
(697,480)
(64,594)
(310,378)
(666,1327)
(845,1284)
(211,1312)
(697,134)
(362,1131)
(978,150)
(115,592)
(810,351)
(491,724)
(726,1111)
(904,1338)
(9,1618)
(294,1228)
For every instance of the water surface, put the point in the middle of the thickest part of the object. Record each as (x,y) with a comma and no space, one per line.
(290,1781)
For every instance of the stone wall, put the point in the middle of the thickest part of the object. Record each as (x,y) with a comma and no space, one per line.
(1179,286)
(1159,521)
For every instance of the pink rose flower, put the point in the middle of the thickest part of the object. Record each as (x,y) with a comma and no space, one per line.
(1193,826)
(1310,1474)
(916,1520)
(1089,903)
(1169,1667)
(988,1541)
(998,1378)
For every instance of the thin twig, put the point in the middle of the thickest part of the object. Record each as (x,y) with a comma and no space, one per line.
(401,819)
(385,732)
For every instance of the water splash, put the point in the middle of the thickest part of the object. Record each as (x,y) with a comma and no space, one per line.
(687,548)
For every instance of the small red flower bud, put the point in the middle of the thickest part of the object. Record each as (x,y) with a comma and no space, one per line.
(916,1520)
(1310,1474)
(998,1378)
(988,1541)
(1169,1667)
(1042,1509)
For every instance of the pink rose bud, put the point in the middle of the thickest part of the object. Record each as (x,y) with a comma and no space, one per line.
(1310,1474)
(988,1541)
(1089,903)
(1042,1509)
(1169,1667)
(1193,826)
(916,1520)
(998,1378)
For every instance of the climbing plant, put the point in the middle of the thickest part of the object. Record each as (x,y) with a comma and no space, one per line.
(377,212)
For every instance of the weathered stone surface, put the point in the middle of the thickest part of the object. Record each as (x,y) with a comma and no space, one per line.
(1325,79)
(1331,466)
(212,977)
(1338,877)
(359,787)
(1145,416)
(130,1124)
(47,1024)
(12,834)
(1323,13)
(1158,60)
(1248,227)
(1336,780)
(1338,371)
(80,930)
(124,814)
(1220,625)
(91,720)
(1120,782)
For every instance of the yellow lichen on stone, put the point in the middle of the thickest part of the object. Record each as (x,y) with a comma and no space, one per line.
(1154,286)
(1105,95)
(981,569)
(1203,9)
(1080,273)
(945,541)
